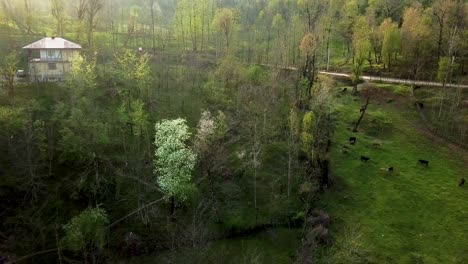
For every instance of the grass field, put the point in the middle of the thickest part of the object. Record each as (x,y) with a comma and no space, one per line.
(416,214)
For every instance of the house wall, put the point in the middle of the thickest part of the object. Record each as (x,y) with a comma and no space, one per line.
(53,64)
(44,71)
(56,54)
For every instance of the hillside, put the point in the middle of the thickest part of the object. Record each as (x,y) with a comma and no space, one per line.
(415,214)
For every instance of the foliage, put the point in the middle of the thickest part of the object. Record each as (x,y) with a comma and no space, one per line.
(362,46)
(173,160)
(308,44)
(12,120)
(81,79)
(307,136)
(225,22)
(210,129)
(86,231)
(8,68)
(391,40)
(133,71)
(445,69)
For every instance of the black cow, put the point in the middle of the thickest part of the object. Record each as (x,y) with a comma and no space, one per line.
(390,169)
(364,158)
(417,87)
(352,140)
(462,182)
(424,162)
(344,90)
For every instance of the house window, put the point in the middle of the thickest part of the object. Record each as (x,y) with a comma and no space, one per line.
(52,66)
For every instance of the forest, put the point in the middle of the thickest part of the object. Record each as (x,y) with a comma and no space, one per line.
(233,131)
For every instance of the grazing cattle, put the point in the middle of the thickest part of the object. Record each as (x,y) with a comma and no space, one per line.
(344,90)
(424,162)
(417,87)
(352,140)
(390,169)
(462,182)
(365,159)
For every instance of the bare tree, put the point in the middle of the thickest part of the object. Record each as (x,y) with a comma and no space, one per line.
(92,9)
(57,10)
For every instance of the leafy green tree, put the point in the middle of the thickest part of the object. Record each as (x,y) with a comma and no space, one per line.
(8,68)
(174,160)
(390,42)
(82,78)
(362,48)
(307,135)
(416,35)
(86,233)
(134,74)
(445,70)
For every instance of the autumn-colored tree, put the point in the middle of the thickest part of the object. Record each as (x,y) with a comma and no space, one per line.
(308,48)
(225,22)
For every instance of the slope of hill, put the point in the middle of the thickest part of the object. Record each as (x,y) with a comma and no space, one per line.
(415,214)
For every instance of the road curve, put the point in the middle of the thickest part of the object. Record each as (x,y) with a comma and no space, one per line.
(378,79)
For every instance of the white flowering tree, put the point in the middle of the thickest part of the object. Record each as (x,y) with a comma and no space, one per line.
(174,160)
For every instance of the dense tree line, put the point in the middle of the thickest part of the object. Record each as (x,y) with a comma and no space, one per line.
(196,136)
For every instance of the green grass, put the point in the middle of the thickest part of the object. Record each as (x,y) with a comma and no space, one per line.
(271,246)
(414,215)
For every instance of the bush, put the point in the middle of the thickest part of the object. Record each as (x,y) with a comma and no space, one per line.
(86,231)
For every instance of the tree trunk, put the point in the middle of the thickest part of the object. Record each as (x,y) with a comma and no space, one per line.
(363,112)
(152,26)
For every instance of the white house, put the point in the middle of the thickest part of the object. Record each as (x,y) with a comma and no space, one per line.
(50,58)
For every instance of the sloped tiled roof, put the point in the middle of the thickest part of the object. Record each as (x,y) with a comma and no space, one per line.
(52,43)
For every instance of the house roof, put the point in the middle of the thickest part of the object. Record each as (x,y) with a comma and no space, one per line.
(52,43)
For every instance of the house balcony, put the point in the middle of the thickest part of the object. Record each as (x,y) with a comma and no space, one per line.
(42,60)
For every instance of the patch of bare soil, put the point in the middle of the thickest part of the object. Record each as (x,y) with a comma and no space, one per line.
(382,96)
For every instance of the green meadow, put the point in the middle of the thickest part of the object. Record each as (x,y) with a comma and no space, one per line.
(415,214)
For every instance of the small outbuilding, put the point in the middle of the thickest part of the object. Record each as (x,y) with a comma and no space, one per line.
(50,58)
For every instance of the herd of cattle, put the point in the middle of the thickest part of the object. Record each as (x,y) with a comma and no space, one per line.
(353,140)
